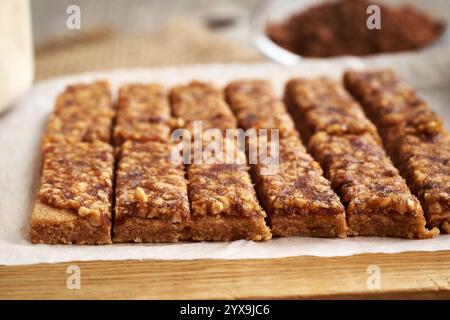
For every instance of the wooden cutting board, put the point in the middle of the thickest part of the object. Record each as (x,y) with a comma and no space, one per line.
(404,275)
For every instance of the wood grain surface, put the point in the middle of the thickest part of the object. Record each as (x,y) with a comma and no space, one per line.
(405,275)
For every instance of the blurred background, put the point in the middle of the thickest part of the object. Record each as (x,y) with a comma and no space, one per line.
(140,33)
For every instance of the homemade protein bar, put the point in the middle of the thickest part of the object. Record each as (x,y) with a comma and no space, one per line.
(198,101)
(391,104)
(143,114)
(377,200)
(323,105)
(151,195)
(297,198)
(255,105)
(425,163)
(82,113)
(223,202)
(414,138)
(224,206)
(74,200)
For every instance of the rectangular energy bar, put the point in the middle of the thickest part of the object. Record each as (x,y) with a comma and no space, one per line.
(83,112)
(297,198)
(391,104)
(413,135)
(74,200)
(143,114)
(255,105)
(377,199)
(323,105)
(223,201)
(199,101)
(425,163)
(151,195)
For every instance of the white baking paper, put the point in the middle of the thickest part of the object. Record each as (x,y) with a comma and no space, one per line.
(21,128)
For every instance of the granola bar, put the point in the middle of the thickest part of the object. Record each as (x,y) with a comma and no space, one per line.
(391,104)
(378,201)
(297,198)
(414,138)
(223,202)
(224,206)
(255,105)
(425,163)
(198,101)
(74,200)
(143,114)
(151,195)
(82,113)
(323,105)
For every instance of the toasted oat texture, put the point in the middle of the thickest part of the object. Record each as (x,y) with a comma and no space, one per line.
(425,163)
(74,200)
(151,195)
(198,101)
(414,138)
(255,105)
(297,198)
(82,113)
(143,114)
(323,105)
(224,206)
(391,104)
(377,199)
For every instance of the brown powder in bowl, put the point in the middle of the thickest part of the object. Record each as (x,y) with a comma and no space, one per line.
(339,28)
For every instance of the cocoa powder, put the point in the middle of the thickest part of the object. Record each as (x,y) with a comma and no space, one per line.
(339,28)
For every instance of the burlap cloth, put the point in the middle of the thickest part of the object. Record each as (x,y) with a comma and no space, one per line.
(179,42)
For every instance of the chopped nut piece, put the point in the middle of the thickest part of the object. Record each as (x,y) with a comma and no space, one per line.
(216,207)
(225,202)
(83,211)
(176,123)
(139,195)
(410,204)
(95,220)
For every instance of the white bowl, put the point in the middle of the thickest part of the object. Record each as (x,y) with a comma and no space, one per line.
(276,11)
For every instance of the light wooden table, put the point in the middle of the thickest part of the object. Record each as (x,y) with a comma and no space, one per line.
(405,275)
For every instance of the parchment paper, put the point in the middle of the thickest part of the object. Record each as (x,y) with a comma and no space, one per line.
(21,128)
